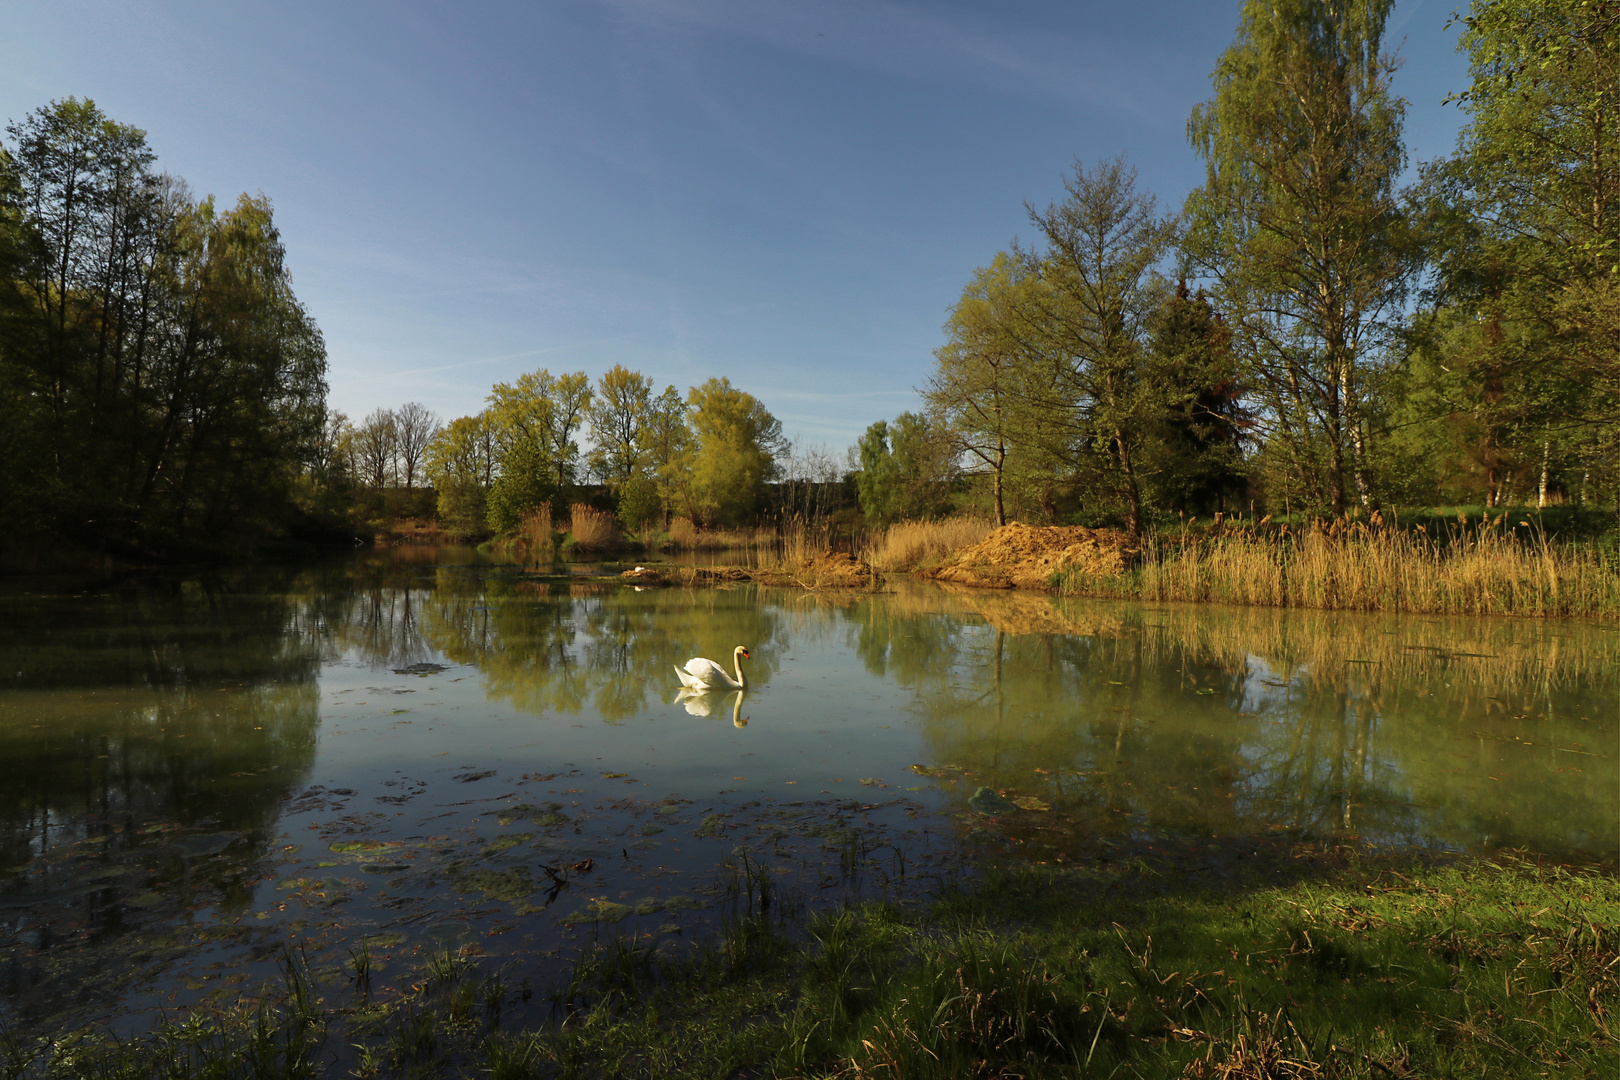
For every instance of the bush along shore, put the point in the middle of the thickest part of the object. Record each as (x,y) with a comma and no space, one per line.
(1283,961)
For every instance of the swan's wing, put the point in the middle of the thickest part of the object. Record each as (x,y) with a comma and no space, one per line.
(691,681)
(706,672)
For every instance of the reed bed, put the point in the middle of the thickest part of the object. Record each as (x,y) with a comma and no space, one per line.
(911,544)
(1482,571)
(534,539)
(683,533)
(592,529)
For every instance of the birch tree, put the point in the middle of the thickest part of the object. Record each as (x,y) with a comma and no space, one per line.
(1300,226)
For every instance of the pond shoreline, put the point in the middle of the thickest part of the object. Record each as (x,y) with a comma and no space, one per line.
(1178,959)
(402,797)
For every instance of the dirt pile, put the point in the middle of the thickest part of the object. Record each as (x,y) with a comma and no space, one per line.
(1027,556)
(833,570)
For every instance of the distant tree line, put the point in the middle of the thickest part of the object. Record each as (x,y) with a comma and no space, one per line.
(1350,342)
(159,380)
(715,455)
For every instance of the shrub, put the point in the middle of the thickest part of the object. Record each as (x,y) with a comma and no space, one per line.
(639,505)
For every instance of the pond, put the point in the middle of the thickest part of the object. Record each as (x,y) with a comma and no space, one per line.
(416,750)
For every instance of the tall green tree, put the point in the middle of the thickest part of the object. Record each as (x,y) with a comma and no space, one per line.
(1301,227)
(735,446)
(879,480)
(906,469)
(173,384)
(666,439)
(988,374)
(1532,255)
(1196,461)
(618,418)
(535,419)
(460,463)
(1103,243)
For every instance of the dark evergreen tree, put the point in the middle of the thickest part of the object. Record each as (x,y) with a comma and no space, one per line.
(1198,442)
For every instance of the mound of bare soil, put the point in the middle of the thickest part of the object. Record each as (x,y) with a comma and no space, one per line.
(1027,556)
(829,570)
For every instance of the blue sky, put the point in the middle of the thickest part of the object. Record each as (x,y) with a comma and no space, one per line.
(788,194)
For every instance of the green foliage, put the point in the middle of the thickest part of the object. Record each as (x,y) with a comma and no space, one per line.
(905,470)
(618,415)
(639,504)
(878,480)
(1301,229)
(1528,229)
(159,378)
(1047,378)
(987,374)
(460,464)
(1193,456)
(1103,244)
(526,482)
(667,438)
(541,412)
(736,441)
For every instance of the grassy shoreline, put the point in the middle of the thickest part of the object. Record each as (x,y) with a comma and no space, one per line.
(1491,565)
(1359,569)
(1297,962)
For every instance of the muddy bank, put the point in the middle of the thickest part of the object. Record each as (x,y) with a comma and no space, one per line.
(829,570)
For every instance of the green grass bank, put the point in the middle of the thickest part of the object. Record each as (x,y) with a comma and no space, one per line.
(1295,962)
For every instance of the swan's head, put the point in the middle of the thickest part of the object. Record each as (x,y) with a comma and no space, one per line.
(742,651)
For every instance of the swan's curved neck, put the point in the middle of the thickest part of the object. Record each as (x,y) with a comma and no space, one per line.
(736,665)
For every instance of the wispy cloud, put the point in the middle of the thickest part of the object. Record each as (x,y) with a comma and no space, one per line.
(1103,71)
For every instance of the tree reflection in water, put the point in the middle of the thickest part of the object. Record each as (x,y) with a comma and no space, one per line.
(150,738)
(1129,719)
(1205,720)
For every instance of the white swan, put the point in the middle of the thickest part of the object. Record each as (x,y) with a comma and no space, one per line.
(701,674)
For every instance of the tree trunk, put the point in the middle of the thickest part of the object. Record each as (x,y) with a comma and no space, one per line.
(1358,442)
(1001,461)
(1133,491)
(1546,459)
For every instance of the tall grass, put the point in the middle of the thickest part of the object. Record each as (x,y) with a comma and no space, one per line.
(1472,571)
(910,544)
(685,533)
(592,529)
(534,539)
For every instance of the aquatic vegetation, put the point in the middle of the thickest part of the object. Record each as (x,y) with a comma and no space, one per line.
(510,885)
(986,801)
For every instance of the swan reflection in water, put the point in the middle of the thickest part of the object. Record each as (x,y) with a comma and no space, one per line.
(702,702)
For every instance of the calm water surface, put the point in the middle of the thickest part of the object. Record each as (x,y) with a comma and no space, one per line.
(420,749)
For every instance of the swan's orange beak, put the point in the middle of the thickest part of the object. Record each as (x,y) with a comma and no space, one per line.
(746,656)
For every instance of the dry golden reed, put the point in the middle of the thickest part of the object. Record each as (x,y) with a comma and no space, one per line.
(909,544)
(534,540)
(683,533)
(592,529)
(1485,571)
